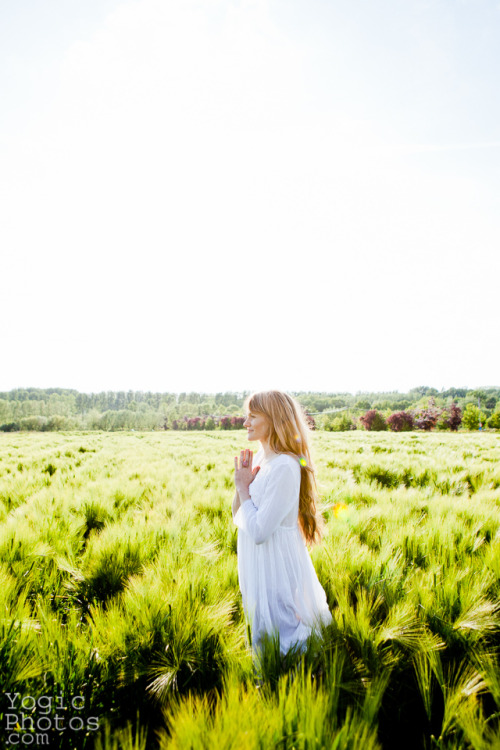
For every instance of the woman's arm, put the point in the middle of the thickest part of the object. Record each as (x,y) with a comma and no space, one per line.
(236,503)
(281,496)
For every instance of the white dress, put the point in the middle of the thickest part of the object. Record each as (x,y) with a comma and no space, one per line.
(279,586)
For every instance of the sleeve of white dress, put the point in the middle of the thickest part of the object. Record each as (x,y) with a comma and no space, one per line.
(281,495)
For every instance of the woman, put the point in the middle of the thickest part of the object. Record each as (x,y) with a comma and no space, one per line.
(274,508)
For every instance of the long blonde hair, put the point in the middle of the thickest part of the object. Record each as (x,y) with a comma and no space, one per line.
(289,433)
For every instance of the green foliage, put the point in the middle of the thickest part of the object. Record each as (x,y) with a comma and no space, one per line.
(400,421)
(118,582)
(54,409)
(363,404)
(373,421)
(299,713)
(129,737)
(473,417)
(340,422)
(494,421)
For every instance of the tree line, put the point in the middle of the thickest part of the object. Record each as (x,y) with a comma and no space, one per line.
(420,408)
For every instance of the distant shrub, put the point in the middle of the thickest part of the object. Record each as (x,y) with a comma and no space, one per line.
(33,423)
(310,420)
(337,423)
(494,421)
(195,423)
(10,427)
(472,417)
(39,423)
(442,422)
(426,418)
(325,422)
(451,418)
(57,422)
(208,423)
(373,421)
(400,421)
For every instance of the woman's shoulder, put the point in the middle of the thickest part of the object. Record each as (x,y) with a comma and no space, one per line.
(287,459)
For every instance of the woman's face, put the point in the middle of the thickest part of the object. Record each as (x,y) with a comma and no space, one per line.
(257,426)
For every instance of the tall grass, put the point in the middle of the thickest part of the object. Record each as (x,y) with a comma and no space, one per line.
(118,583)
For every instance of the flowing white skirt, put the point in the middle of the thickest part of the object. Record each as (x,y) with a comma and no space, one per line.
(280,589)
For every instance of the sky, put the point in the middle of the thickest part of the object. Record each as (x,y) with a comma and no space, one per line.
(214,195)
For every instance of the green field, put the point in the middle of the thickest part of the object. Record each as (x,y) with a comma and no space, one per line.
(121,621)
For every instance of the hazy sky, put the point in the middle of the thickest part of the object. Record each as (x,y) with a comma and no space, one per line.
(223,195)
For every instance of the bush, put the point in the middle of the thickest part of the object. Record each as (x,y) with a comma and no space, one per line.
(58,422)
(373,421)
(310,421)
(36,423)
(455,419)
(427,418)
(195,423)
(494,421)
(450,419)
(473,417)
(10,427)
(400,421)
(337,423)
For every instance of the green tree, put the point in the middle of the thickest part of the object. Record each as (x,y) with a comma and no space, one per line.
(472,417)
(482,395)
(373,421)
(336,422)
(363,403)
(494,421)
(4,410)
(423,390)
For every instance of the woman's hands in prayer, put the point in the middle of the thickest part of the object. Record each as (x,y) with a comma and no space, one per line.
(244,473)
